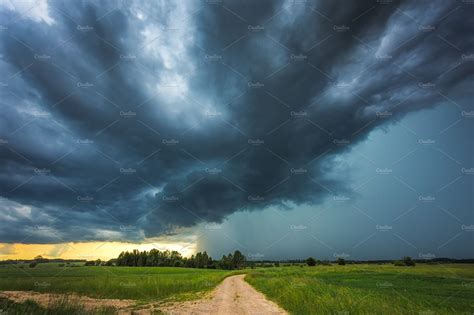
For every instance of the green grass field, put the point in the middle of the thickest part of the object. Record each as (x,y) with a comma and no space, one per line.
(369,289)
(351,289)
(138,283)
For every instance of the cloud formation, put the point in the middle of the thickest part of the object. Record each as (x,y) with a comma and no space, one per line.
(126,121)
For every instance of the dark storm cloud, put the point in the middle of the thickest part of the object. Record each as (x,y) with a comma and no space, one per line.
(126,121)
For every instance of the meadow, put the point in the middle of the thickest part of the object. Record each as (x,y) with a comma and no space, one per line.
(369,289)
(351,289)
(136,283)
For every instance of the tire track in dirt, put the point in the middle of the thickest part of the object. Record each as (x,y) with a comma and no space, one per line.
(233,296)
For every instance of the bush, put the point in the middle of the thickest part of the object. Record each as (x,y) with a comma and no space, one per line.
(341,261)
(32,264)
(406,261)
(311,261)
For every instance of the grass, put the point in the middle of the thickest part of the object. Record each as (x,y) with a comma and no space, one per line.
(369,289)
(137,283)
(351,289)
(59,307)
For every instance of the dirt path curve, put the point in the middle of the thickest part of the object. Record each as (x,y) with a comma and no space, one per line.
(233,296)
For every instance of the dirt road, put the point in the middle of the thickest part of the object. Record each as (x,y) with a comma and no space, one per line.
(232,296)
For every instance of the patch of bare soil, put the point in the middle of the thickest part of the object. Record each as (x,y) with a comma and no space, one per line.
(233,296)
(46,299)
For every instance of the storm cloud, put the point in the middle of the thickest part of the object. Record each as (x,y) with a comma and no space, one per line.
(133,119)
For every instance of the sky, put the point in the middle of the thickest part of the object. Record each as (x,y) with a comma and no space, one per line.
(284,129)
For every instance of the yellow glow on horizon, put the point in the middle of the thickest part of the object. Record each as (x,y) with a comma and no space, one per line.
(87,250)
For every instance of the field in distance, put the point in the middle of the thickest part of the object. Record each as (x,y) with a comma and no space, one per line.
(369,289)
(148,284)
(350,289)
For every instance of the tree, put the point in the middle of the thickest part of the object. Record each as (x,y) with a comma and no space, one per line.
(311,261)
(238,260)
(341,261)
(408,261)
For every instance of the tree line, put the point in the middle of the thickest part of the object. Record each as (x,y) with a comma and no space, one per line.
(157,258)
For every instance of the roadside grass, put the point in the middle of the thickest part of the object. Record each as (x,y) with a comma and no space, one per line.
(137,283)
(58,307)
(369,289)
